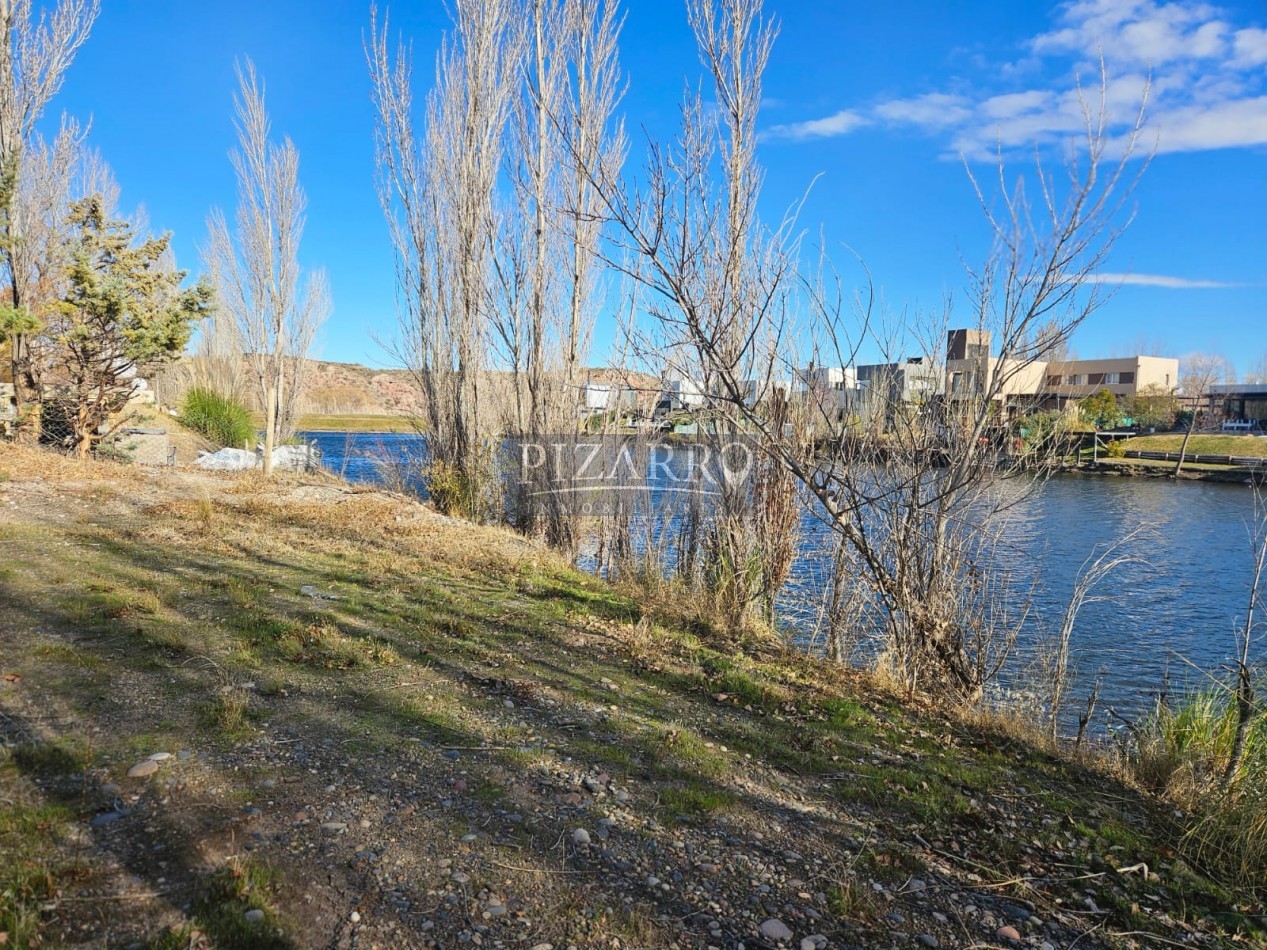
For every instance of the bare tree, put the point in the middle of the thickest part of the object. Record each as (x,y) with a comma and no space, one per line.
(1258,372)
(1198,373)
(256,267)
(35,53)
(437,192)
(923,490)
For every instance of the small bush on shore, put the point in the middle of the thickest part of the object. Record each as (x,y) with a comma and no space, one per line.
(221,419)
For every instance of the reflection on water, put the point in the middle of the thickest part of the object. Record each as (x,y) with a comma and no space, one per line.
(1175,609)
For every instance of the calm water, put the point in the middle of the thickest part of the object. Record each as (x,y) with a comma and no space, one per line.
(1177,609)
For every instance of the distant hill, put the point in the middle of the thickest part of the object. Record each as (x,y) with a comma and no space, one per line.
(345,389)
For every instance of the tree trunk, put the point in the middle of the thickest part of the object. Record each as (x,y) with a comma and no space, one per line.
(1183,448)
(270,428)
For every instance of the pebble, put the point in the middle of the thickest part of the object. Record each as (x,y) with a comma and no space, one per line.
(334,827)
(254,915)
(160,756)
(813,942)
(928,940)
(355,918)
(773,929)
(143,769)
(1008,933)
(580,837)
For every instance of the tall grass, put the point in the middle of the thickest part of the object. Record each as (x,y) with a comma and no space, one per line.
(221,419)
(1182,753)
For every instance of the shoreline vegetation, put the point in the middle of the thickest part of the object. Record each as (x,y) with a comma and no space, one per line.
(245,712)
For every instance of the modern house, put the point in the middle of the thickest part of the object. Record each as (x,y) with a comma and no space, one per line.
(1240,402)
(917,380)
(1048,384)
(680,394)
(831,391)
(1125,376)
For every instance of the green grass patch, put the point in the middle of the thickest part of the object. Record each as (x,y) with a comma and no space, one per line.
(221,419)
(1243,446)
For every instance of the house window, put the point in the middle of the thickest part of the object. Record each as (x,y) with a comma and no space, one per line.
(1075,379)
(1096,379)
(1126,378)
(1054,380)
(1112,379)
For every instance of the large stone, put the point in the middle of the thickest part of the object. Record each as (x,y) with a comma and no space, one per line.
(143,769)
(773,929)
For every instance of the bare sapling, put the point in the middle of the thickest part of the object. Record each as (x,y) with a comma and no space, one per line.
(1198,373)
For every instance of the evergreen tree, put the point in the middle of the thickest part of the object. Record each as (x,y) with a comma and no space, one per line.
(124,311)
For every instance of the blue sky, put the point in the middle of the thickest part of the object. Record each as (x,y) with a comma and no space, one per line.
(878,101)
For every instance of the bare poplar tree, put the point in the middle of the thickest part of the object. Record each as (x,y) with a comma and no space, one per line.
(35,53)
(437,192)
(717,285)
(256,267)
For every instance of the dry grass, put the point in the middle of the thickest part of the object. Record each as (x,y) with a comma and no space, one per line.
(20,462)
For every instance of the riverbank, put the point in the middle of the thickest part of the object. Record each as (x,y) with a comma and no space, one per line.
(352,721)
(1191,471)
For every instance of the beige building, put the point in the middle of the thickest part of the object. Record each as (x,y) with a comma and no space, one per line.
(969,377)
(1076,379)
(1048,384)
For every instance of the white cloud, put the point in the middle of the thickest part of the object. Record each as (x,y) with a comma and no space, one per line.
(1158,280)
(1205,85)
(934,110)
(839,123)
(1250,47)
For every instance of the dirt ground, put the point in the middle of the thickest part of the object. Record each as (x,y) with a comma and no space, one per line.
(241,713)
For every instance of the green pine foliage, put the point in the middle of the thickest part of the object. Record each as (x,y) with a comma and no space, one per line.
(124,311)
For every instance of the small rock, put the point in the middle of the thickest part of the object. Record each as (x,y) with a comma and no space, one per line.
(160,756)
(355,917)
(254,916)
(143,769)
(580,837)
(928,940)
(458,877)
(773,929)
(334,827)
(813,942)
(1008,933)
(110,817)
